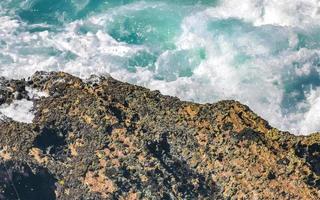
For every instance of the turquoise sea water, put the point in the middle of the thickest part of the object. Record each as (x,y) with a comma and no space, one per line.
(262,53)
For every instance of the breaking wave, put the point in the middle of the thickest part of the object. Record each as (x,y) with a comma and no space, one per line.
(265,54)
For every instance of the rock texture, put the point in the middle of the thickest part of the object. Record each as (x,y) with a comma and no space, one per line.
(104,139)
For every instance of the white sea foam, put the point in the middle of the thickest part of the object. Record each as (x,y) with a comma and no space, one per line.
(18,110)
(254,56)
(311,118)
(261,12)
(35,93)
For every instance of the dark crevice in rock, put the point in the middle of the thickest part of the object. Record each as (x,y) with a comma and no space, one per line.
(300,150)
(117,112)
(51,141)
(311,154)
(180,171)
(124,184)
(313,181)
(19,181)
(271,175)
(249,135)
(313,158)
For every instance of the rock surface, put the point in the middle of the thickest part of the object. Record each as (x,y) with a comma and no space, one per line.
(104,139)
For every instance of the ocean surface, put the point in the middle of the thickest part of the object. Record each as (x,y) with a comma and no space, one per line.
(264,53)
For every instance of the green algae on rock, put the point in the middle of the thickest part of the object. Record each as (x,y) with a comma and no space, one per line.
(104,139)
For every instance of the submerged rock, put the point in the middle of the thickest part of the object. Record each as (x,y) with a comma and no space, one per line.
(104,139)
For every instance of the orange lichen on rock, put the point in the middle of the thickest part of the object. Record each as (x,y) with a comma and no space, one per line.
(74,146)
(38,156)
(5,154)
(104,139)
(99,183)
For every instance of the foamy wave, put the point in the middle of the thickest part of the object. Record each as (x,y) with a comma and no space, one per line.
(262,12)
(264,53)
(18,110)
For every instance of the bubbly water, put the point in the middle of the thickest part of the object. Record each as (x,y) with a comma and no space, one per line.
(264,53)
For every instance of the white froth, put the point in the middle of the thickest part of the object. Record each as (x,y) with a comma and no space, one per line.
(262,12)
(265,39)
(36,94)
(311,122)
(18,110)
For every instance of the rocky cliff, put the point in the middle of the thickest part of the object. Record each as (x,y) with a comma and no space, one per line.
(104,139)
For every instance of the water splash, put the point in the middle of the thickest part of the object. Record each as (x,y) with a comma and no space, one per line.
(263,53)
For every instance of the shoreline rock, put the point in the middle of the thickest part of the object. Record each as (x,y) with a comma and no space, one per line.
(104,139)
